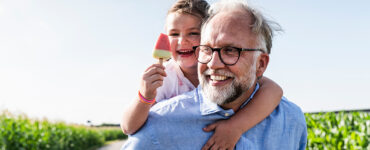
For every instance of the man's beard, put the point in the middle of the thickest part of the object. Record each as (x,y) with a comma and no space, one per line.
(227,93)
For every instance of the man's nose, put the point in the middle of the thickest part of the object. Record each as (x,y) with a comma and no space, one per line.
(215,62)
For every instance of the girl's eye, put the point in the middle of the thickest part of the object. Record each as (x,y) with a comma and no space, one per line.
(194,33)
(174,34)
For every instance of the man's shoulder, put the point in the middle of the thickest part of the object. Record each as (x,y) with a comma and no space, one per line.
(288,104)
(291,111)
(287,120)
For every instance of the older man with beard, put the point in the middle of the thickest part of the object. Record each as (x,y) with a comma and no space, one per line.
(233,54)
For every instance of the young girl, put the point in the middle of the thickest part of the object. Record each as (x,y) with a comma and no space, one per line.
(158,83)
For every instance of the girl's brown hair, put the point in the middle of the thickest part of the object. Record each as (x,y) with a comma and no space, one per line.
(198,8)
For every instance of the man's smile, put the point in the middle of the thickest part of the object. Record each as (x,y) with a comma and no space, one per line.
(218,80)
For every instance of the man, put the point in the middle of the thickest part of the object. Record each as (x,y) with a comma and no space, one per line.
(233,54)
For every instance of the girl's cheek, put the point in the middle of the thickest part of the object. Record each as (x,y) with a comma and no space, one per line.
(195,41)
(173,43)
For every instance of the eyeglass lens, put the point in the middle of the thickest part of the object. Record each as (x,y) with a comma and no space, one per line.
(228,55)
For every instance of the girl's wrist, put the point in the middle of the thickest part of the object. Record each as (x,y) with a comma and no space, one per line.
(236,125)
(144,100)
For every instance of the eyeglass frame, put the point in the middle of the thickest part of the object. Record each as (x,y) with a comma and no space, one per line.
(219,53)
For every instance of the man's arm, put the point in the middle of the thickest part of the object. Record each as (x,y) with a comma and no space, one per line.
(303,140)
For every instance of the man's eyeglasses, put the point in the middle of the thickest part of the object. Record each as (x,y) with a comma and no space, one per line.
(228,55)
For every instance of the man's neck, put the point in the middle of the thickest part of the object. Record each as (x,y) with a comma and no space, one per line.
(235,105)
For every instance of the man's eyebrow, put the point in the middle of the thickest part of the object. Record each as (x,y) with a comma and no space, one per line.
(225,45)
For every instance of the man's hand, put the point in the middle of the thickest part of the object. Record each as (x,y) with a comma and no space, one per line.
(224,138)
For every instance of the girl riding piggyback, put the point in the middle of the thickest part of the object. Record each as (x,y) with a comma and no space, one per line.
(179,75)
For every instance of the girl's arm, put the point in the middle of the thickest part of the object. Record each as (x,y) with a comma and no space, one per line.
(137,113)
(135,116)
(228,132)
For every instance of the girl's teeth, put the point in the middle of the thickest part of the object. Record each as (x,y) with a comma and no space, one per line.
(185,52)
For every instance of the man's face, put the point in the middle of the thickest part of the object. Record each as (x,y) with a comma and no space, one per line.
(220,83)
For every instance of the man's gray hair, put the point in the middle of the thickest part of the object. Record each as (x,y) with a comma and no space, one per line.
(261,26)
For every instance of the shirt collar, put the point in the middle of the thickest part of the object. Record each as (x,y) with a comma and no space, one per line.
(208,107)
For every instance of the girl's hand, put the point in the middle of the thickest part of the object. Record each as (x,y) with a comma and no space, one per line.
(151,80)
(225,136)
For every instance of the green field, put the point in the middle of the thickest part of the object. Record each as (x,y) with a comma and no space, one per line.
(326,131)
(336,131)
(22,133)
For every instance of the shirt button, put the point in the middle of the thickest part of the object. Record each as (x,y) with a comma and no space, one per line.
(227,114)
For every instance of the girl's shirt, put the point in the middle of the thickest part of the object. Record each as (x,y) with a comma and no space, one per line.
(174,84)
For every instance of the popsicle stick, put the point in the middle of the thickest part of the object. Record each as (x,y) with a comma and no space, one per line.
(161,61)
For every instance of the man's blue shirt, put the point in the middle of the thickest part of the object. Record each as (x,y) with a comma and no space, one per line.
(177,124)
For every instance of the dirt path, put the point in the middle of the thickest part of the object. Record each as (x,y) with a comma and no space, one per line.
(116,145)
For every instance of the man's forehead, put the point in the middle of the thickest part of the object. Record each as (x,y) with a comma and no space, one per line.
(227,25)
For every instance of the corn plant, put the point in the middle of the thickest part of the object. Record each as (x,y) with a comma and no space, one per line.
(337,131)
(22,133)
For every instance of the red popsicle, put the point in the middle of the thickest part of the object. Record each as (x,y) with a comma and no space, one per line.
(162,49)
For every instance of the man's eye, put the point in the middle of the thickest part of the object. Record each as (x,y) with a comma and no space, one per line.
(205,50)
(230,51)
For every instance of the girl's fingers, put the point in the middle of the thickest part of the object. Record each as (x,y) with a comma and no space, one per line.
(154,65)
(153,82)
(157,84)
(155,70)
(152,78)
(209,144)
(156,77)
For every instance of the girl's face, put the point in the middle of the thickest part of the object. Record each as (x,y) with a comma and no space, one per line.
(184,33)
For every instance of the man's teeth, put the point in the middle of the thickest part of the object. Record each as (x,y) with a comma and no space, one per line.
(218,78)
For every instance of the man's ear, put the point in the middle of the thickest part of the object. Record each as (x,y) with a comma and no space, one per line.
(262,62)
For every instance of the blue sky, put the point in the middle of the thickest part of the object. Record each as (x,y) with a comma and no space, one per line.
(82,60)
